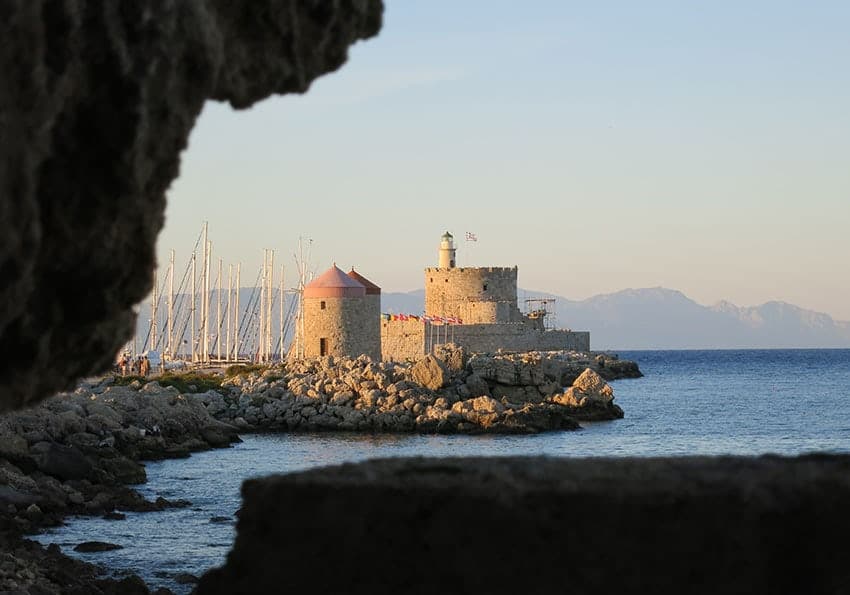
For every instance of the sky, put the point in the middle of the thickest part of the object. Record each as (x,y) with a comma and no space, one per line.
(598,146)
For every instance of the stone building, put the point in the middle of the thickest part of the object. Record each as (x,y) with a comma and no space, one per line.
(482,303)
(342,315)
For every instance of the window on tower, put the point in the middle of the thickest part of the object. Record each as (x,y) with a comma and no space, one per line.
(322,305)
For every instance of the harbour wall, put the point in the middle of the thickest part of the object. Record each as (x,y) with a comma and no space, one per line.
(409,339)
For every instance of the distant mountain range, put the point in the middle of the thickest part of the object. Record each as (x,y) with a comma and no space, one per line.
(659,318)
(654,318)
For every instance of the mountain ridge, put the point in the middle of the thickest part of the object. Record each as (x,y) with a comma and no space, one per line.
(664,318)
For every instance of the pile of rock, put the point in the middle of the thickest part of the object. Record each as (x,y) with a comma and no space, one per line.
(443,393)
(76,452)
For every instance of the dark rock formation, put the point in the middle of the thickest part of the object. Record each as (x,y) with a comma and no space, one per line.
(96,546)
(539,525)
(97,99)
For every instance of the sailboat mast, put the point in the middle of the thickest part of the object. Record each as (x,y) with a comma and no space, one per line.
(170,322)
(218,318)
(229,296)
(206,346)
(192,310)
(236,314)
(261,334)
(280,323)
(154,311)
(270,304)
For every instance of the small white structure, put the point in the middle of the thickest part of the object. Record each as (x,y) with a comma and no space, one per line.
(447,251)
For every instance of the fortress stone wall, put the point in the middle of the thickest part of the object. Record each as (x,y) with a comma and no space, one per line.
(403,340)
(475,295)
(349,325)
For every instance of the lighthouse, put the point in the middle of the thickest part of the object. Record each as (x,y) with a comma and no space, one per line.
(447,251)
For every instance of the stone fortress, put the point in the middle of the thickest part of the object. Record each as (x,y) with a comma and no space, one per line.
(474,307)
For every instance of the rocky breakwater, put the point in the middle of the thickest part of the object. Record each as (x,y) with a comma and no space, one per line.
(449,392)
(78,453)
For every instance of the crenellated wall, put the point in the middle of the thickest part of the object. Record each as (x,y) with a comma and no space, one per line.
(476,295)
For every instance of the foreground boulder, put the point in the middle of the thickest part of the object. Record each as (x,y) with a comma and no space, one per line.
(540,525)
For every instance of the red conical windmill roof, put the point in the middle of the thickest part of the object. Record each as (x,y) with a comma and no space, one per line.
(371,288)
(334,283)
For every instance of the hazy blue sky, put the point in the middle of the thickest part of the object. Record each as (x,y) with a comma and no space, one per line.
(702,146)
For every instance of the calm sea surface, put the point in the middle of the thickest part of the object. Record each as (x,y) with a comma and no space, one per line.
(690,402)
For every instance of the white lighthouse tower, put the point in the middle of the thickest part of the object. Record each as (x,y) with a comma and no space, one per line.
(447,251)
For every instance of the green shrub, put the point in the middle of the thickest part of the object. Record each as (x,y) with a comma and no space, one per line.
(182,381)
(240,369)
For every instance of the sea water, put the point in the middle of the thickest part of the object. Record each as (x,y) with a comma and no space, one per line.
(689,403)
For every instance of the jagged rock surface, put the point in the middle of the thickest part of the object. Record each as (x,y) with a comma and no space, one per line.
(97,100)
(428,396)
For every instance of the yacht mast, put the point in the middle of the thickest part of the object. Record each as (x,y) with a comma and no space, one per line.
(261,335)
(229,296)
(170,322)
(280,323)
(236,314)
(192,310)
(218,318)
(270,304)
(154,305)
(206,318)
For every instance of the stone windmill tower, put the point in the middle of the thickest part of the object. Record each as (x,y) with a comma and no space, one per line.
(340,318)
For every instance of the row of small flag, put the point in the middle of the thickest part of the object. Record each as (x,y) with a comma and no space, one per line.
(423,318)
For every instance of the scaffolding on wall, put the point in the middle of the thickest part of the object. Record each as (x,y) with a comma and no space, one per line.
(542,308)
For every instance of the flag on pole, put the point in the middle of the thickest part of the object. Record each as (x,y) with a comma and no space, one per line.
(471,237)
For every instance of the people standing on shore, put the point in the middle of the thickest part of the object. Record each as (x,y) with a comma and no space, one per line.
(144,365)
(122,365)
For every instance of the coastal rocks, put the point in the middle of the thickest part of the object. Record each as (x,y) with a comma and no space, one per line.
(63,462)
(430,372)
(501,393)
(534,376)
(27,567)
(96,105)
(78,451)
(590,398)
(96,546)
(588,388)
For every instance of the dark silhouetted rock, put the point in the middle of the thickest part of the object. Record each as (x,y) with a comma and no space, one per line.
(542,525)
(96,546)
(97,100)
(64,462)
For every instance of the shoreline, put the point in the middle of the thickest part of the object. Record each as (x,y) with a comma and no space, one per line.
(80,453)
